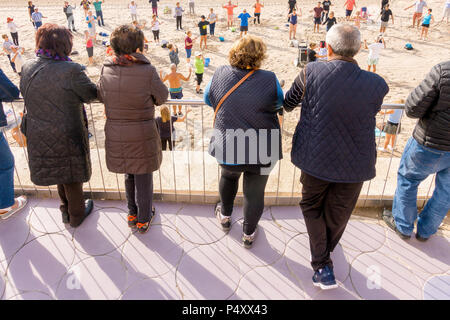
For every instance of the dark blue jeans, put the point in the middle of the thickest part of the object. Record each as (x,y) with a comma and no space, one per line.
(417,163)
(212,27)
(6,174)
(100,16)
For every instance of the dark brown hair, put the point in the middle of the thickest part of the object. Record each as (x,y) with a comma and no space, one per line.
(57,40)
(126,40)
(248,53)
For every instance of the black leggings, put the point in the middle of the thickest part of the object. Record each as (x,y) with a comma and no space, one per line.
(165,142)
(257,16)
(15,37)
(179,22)
(139,190)
(155,35)
(253,187)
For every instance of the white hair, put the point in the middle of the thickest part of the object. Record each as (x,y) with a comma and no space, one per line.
(344,39)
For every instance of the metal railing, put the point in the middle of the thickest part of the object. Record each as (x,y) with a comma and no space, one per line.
(190,174)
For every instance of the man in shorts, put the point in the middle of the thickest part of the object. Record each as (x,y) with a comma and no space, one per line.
(385,14)
(417,16)
(244,16)
(230,8)
(175,89)
(349,5)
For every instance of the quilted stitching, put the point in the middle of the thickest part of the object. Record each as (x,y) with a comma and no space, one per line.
(252,105)
(335,139)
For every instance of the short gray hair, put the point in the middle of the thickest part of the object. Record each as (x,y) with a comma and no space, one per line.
(344,39)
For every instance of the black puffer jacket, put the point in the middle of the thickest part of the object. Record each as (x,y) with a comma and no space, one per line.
(57,135)
(430,102)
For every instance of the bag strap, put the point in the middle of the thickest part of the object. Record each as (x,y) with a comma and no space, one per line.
(29,83)
(230,92)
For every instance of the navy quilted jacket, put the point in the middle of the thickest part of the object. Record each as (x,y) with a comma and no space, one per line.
(249,114)
(335,137)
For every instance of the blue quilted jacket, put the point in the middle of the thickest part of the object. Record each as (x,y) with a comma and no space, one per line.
(335,137)
(247,131)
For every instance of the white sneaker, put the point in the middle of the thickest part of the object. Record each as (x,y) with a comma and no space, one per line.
(390,148)
(21,201)
(382,149)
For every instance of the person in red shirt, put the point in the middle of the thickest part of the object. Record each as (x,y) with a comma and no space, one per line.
(257,15)
(317,16)
(188,44)
(230,7)
(348,5)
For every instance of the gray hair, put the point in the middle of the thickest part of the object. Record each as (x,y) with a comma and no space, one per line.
(344,39)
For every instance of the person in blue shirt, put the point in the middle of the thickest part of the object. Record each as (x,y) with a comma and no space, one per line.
(8,205)
(244,16)
(426,21)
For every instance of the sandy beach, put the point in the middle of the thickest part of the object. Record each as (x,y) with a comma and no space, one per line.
(402,69)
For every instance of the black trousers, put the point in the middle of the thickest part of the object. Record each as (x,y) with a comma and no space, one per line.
(72,202)
(326,207)
(167,141)
(15,37)
(179,22)
(324,15)
(155,35)
(139,191)
(253,187)
(257,17)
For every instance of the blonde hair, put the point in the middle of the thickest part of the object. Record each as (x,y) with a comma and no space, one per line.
(247,53)
(165,114)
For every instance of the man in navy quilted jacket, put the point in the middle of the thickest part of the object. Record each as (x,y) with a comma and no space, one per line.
(334,142)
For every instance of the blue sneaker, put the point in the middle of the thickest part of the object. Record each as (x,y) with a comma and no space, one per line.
(324,278)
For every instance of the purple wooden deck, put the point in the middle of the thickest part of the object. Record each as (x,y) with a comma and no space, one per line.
(185,255)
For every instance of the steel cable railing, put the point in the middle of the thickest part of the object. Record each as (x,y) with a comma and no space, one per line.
(187,165)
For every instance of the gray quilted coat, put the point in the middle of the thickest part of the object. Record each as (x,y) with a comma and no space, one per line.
(57,135)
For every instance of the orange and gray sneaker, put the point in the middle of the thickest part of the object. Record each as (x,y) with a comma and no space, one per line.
(143,227)
(132,220)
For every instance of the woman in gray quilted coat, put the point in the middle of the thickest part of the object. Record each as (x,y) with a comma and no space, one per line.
(54,89)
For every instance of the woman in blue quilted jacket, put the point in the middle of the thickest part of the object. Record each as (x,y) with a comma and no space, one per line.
(246,137)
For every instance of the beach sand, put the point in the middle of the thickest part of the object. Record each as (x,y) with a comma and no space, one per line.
(402,69)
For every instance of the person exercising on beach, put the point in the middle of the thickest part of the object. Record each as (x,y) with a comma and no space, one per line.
(230,8)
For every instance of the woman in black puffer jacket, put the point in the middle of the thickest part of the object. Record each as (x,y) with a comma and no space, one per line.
(54,89)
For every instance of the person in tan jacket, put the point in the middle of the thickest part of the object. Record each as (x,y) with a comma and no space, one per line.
(130,87)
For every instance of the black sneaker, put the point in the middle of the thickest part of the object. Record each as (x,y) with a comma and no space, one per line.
(225,221)
(324,278)
(247,240)
(420,238)
(388,218)
(180,114)
(132,220)
(144,227)
(65,217)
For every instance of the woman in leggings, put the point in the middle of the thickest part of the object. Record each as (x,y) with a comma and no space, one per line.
(246,139)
